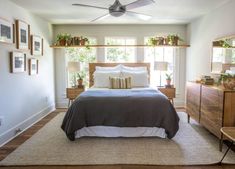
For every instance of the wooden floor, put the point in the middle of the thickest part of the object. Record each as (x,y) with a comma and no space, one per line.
(12,145)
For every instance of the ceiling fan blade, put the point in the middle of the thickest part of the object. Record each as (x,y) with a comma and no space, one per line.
(139,15)
(90,6)
(101,17)
(138,3)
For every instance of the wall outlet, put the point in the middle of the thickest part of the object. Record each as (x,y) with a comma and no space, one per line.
(1,121)
(18,130)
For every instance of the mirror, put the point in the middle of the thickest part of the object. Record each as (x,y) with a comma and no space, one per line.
(223,55)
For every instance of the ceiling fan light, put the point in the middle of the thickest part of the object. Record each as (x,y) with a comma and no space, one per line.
(145,17)
(116,13)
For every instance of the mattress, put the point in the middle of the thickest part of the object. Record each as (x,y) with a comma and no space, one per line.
(136,112)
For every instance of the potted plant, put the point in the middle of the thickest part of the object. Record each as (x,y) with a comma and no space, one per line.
(172,40)
(156,41)
(80,79)
(84,41)
(168,79)
(63,39)
(227,80)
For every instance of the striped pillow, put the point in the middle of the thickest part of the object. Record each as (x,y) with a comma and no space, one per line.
(120,82)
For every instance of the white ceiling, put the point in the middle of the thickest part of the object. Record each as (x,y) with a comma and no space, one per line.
(162,12)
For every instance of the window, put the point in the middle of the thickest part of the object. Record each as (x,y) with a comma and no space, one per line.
(84,56)
(165,54)
(120,54)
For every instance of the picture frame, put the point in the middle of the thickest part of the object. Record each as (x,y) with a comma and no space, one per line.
(33,66)
(23,35)
(36,45)
(17,62)
(7,31)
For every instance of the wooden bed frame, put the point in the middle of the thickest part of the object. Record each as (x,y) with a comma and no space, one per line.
(93,65)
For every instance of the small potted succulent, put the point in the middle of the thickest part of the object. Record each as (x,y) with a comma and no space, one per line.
(63,39)
(227,80)
(168,79)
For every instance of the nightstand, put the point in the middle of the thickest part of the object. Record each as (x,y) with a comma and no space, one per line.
(169,92)
(72,93)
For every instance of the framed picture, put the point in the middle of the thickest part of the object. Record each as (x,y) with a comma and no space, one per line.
(36,45)
(33,66)
(6,31)
(17,62)
(22,34)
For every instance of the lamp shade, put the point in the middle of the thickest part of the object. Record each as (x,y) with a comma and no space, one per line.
(73,66)
(160,66)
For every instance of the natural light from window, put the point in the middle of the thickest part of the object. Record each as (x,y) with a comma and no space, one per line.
(120,54)
(165,54)
(84,56)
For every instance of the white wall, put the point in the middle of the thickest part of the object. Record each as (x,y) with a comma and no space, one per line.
(202,32)
(24,99)
(102,31)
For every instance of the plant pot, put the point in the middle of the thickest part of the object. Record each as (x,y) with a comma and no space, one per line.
(175,41)
(160,40)
(62,42)
(166,41)
(80,82)
(168,82)
(82,42)
(229,83)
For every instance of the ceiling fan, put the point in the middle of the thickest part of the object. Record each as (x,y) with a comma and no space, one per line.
(117,9)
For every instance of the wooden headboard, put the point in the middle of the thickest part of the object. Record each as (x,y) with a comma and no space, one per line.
(93,65)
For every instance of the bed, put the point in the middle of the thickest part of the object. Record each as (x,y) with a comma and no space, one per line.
(135,112)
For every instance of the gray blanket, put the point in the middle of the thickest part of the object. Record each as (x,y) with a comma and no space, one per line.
(121,108)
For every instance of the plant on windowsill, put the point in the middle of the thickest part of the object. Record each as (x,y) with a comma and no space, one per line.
(85,42)
(63,39)
(168,79)
(156,41)
(227,80)
(173,40)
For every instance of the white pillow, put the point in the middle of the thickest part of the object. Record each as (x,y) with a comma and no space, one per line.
(101,78)
(138,79)
(115,68)
(127,68)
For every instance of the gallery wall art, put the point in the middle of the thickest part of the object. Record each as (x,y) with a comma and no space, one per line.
(36,45)
(17,62)
(6,31)
(33,66)
(23,35)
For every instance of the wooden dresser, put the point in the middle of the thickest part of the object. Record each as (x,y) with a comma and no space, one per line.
(211,106)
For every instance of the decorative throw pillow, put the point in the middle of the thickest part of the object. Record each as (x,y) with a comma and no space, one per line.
(120,82)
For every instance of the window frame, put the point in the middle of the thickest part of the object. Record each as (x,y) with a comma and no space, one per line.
(125,38)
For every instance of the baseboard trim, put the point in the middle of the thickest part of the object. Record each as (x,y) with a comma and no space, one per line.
(62,104)
(24,125)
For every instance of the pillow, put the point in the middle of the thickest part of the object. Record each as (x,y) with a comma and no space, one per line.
(135,69)
(138,79)
(120,82)
(115,68)
(101,78)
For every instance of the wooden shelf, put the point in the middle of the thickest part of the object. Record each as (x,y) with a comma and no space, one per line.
(106,46)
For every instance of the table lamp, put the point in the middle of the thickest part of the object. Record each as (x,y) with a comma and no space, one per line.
(160,66)
(74,67)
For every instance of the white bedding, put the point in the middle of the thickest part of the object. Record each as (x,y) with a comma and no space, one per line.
(109,131)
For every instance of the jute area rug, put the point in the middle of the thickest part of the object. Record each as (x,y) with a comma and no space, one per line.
(193,145)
